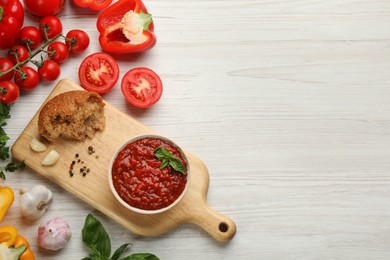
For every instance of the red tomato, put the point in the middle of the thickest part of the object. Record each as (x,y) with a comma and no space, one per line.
(9,92)
(142,87)
(98,72)
(6,64)
(18,53)
(30,35)
(27,78)
(44,7)
(77,40)
(58,52)
(93,5)
(50,26)
(49,71)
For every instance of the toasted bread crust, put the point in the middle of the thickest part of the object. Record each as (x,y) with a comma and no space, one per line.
(74,114)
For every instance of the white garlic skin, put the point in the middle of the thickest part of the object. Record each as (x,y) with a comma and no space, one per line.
(54,234)
(35,201)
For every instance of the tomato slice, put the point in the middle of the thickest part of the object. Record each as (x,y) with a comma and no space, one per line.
(93,5)
(98,72)
(142,87)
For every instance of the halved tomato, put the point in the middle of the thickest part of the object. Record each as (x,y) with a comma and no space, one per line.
(96,5)
(142,87)
(98,72)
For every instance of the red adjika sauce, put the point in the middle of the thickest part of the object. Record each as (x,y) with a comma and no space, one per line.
(138,179)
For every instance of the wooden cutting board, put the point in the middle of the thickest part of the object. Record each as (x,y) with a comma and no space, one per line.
(94,188)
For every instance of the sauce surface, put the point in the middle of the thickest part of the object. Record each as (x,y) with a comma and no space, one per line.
(138,179)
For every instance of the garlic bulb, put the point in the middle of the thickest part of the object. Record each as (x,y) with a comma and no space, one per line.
(35,201)
(54,234)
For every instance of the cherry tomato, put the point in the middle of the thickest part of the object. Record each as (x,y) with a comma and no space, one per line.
(44,7)
(18,53)
(30,35)
(142,87)
(50,26)
(77,41)
(58,52)
(6,64)
(93,5)
(49,71)
(28,79)
(9,92)
(98,72)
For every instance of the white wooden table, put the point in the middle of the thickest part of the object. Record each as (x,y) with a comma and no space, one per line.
(288,104)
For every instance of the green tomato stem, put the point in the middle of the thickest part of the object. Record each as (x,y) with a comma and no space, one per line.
(1,13)
(32,54)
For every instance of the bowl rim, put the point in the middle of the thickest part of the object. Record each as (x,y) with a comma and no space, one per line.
(144,211)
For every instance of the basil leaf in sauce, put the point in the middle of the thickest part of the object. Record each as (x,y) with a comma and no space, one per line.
(177,165)
(167,158)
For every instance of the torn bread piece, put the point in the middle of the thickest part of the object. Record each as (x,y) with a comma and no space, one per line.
(74,115)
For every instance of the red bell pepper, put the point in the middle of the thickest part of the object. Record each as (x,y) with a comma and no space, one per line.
(11,21)
(126,27)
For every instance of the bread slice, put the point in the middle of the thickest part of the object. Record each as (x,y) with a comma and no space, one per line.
(72,115)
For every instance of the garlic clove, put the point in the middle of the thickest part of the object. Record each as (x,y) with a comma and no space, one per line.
(51,158)
(37,146)
(35,201)
(54,234)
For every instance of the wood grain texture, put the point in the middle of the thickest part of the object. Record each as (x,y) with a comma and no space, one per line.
(94,188)
(286,102)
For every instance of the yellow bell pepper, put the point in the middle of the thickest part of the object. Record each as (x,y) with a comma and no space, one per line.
(8,238)
(28,254)
(6,200)
(8,235)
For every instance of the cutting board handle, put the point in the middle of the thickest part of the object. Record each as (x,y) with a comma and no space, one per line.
(219,226)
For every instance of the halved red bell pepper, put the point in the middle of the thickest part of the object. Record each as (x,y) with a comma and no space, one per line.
(126,27)
(11,21)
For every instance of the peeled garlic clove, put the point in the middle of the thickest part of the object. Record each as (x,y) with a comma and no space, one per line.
(37,146)
(54,234)
(51,158)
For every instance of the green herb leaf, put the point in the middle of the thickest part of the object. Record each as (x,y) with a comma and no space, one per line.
(98,243)
(2,175)
(119,251)
(177,165)
(167,158)
(164,163)
(141,256)
(96,238)
(162,153)
(4,153)
(14,166)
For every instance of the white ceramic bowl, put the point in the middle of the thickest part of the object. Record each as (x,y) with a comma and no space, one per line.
(144,211)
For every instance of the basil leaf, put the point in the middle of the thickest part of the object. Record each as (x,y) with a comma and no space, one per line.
(177,165)
(119,251)
(96,238)
(168,159)
(162,153)
(141,256)
(164,163)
